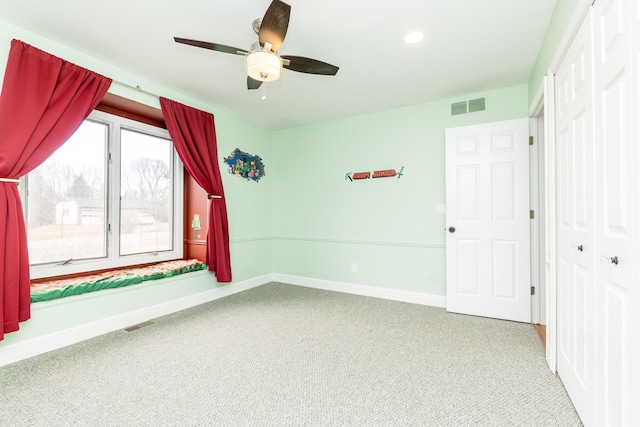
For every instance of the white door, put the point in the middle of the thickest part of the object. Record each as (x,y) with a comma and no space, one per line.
(632,331)
(575,223)
(487,228)
(617,193)
(537,224)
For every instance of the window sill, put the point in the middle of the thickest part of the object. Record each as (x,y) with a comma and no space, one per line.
(54,288)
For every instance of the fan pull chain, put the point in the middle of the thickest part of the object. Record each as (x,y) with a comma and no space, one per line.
(264,92)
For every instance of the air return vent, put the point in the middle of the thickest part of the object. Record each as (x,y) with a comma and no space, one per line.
(458,108)
(476,105)
(139,325)
(470,106)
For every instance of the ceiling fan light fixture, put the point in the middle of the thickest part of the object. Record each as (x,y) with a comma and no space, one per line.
(263,66)
(262,61)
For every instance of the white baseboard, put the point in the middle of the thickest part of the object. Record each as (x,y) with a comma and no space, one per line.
(58,339)
(368,291)
(53,341)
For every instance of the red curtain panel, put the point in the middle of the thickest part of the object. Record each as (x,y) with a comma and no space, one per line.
(194,136)
(44,99)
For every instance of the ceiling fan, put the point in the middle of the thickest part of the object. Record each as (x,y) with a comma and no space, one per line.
(263,63)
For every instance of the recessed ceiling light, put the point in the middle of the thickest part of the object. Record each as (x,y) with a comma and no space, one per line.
(414,37)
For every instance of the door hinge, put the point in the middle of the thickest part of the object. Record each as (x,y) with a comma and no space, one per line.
(532,214)
(533,290)
(530,140)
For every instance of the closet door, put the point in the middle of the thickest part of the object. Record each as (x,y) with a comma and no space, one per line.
(616,192)
(634,343)
(576,224)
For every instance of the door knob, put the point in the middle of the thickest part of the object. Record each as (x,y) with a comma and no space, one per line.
(452,229)
(607,259)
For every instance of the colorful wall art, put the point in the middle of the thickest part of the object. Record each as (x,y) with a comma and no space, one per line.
(387,173)
(245,165)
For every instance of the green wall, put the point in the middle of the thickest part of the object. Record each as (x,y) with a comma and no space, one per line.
(248,203)
(323,223)
(562,15)
(303,218)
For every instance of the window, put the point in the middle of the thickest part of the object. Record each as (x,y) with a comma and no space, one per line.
(111,196)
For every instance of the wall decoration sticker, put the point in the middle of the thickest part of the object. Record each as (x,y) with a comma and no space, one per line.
(386,173)
(245,165)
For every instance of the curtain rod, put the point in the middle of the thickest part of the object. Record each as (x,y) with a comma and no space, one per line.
(136,88)
(139,89)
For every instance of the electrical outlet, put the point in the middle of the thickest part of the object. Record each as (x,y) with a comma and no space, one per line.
(354,267)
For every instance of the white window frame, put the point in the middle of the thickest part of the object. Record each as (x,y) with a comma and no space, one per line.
(112,238)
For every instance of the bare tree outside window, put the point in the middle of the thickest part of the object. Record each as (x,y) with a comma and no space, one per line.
(66,216)
(108,197)
(146,189)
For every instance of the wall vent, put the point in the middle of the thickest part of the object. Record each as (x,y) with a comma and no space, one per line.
(470,106)
(458,108)
(139,325)
(476,105)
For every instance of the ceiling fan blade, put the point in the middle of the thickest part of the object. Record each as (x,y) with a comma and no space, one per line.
(274,24)
(253,83)
(310,66)
(211,46)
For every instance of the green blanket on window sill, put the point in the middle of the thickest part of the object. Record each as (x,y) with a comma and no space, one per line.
(110,280)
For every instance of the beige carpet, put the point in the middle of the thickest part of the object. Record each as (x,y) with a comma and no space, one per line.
(282,355)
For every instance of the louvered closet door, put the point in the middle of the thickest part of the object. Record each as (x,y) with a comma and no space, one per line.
(576,224)
(616,191)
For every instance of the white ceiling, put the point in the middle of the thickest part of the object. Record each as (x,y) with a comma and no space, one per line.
(469,46)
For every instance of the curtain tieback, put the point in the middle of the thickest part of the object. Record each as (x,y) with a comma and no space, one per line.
(16,181)
(213,196)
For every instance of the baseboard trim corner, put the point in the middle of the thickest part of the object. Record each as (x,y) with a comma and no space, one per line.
(363,290)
